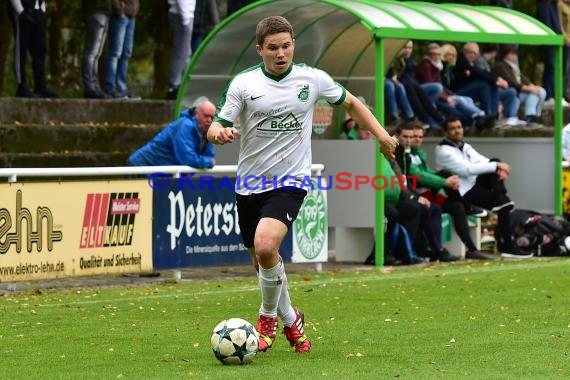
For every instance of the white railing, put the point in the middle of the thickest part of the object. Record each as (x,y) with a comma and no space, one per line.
(13,173)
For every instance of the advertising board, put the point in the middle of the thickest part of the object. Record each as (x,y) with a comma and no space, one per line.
(50,230)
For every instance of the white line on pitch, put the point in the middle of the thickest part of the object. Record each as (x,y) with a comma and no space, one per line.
(371,277)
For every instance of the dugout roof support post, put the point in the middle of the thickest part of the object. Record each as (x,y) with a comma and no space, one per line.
(355,40)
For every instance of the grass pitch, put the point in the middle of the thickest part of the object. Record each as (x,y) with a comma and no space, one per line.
(470,320)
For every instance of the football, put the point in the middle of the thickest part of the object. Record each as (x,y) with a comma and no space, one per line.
(234,341)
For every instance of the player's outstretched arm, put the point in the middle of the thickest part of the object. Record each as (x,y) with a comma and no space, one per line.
(363,117)
(220,135)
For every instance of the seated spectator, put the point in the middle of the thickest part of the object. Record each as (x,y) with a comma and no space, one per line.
(531,96)
(484,86)
(482,182)
(392,217)
(430,220)
(432,183)
(409,211)
(430,71)
(396,98)
(352,130)
(421,97)
(349,129)
(182,142)
(448,60)
(486,61)
(487,58)
(395,241)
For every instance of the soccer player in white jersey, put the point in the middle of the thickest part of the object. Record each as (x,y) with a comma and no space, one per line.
(274,102)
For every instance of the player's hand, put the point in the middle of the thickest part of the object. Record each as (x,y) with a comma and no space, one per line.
(424,201)
(452,182)
(503,166)
(388,146)
(225,135)
(502,174)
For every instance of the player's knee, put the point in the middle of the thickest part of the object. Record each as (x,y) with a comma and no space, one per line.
(265,247)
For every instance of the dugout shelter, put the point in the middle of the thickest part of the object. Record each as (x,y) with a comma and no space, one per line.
(355,40)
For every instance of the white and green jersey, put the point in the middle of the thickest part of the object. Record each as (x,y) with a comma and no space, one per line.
(275,114)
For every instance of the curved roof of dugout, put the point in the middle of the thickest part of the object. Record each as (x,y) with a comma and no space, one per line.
(341,37)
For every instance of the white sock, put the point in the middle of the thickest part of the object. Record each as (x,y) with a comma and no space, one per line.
(285,310)
(271,283)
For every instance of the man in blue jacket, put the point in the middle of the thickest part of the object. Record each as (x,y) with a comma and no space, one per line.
(182,142)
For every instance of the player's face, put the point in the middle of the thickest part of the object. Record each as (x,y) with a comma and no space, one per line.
(277,52)
(405,138)
(454,131)
(418,138)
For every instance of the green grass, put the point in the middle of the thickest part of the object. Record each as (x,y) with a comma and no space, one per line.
(492,320)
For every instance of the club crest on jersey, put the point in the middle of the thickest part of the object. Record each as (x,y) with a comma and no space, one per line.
(303,92)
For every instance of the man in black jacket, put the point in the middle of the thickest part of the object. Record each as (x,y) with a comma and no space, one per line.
(30,33)
(430,212)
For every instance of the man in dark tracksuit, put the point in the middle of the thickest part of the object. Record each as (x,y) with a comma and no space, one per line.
(30,30)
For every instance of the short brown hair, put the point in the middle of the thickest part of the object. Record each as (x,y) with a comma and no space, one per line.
(272,25)
(409,125)
(449,120)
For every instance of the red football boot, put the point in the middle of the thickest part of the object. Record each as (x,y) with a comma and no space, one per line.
(267,331)
(296,334)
